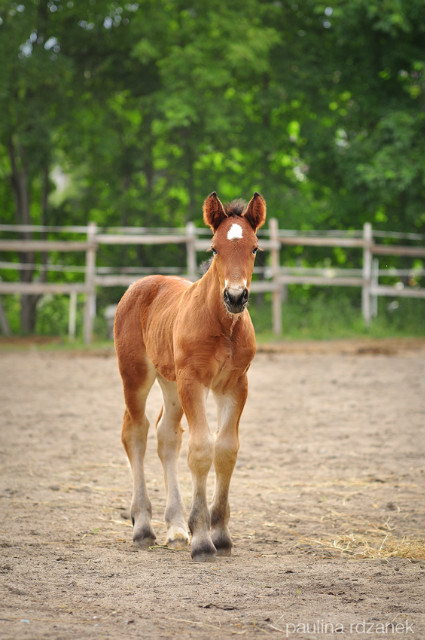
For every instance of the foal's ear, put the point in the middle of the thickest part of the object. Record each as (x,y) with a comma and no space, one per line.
(214,212)
(255,213)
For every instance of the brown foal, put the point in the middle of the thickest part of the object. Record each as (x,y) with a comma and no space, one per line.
(191,337)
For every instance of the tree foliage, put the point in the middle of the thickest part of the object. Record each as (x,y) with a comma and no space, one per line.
(146,107)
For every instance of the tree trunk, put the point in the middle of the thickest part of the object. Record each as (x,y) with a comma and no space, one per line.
(28,313)
(4,322)
(21,192)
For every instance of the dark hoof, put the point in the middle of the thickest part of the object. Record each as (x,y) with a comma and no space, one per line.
(144,543)
(223,543)
(224,551)
(203,552)
(144,538)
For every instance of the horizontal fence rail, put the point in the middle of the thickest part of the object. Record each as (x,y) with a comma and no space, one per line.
(25,246)
(274,277)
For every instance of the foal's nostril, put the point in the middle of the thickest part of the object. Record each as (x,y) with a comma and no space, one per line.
(245,294)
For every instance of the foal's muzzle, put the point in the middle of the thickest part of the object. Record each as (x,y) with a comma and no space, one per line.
(235,301)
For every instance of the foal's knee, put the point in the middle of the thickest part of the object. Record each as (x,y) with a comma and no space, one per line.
(226,452)
(134,432)
(200,454)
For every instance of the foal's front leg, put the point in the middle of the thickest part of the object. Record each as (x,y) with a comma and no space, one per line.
(229,409)
(200,456)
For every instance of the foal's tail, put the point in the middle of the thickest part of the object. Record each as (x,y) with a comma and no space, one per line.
(159,417)
(179,426)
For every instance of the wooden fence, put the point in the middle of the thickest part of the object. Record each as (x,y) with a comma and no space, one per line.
(275,277)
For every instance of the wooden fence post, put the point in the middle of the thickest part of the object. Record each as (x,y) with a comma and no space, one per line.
(275,265)
(375,283)
(191,251)
(367,272)
(72,318)
(90,306)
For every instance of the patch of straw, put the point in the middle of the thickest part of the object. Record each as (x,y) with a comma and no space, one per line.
(373,546)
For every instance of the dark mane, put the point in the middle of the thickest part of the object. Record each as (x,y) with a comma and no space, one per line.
(236,207)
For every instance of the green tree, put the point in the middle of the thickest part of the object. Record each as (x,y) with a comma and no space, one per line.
(32,94)
(149,106)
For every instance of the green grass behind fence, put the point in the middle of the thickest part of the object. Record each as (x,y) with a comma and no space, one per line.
(323,315)
(326,317)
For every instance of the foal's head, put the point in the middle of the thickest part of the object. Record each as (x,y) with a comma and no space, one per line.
(234,245)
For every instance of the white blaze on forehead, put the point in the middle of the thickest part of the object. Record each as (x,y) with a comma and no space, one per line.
(235,232)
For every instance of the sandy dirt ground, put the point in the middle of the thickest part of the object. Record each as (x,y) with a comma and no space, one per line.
(327,503)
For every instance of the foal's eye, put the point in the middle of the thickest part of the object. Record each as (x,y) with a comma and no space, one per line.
(214,251)
(254,251)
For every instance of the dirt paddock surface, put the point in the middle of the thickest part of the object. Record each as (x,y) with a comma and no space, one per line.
(327,503)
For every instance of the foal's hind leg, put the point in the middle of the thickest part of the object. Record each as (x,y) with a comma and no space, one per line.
(169,445)
(134,435)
